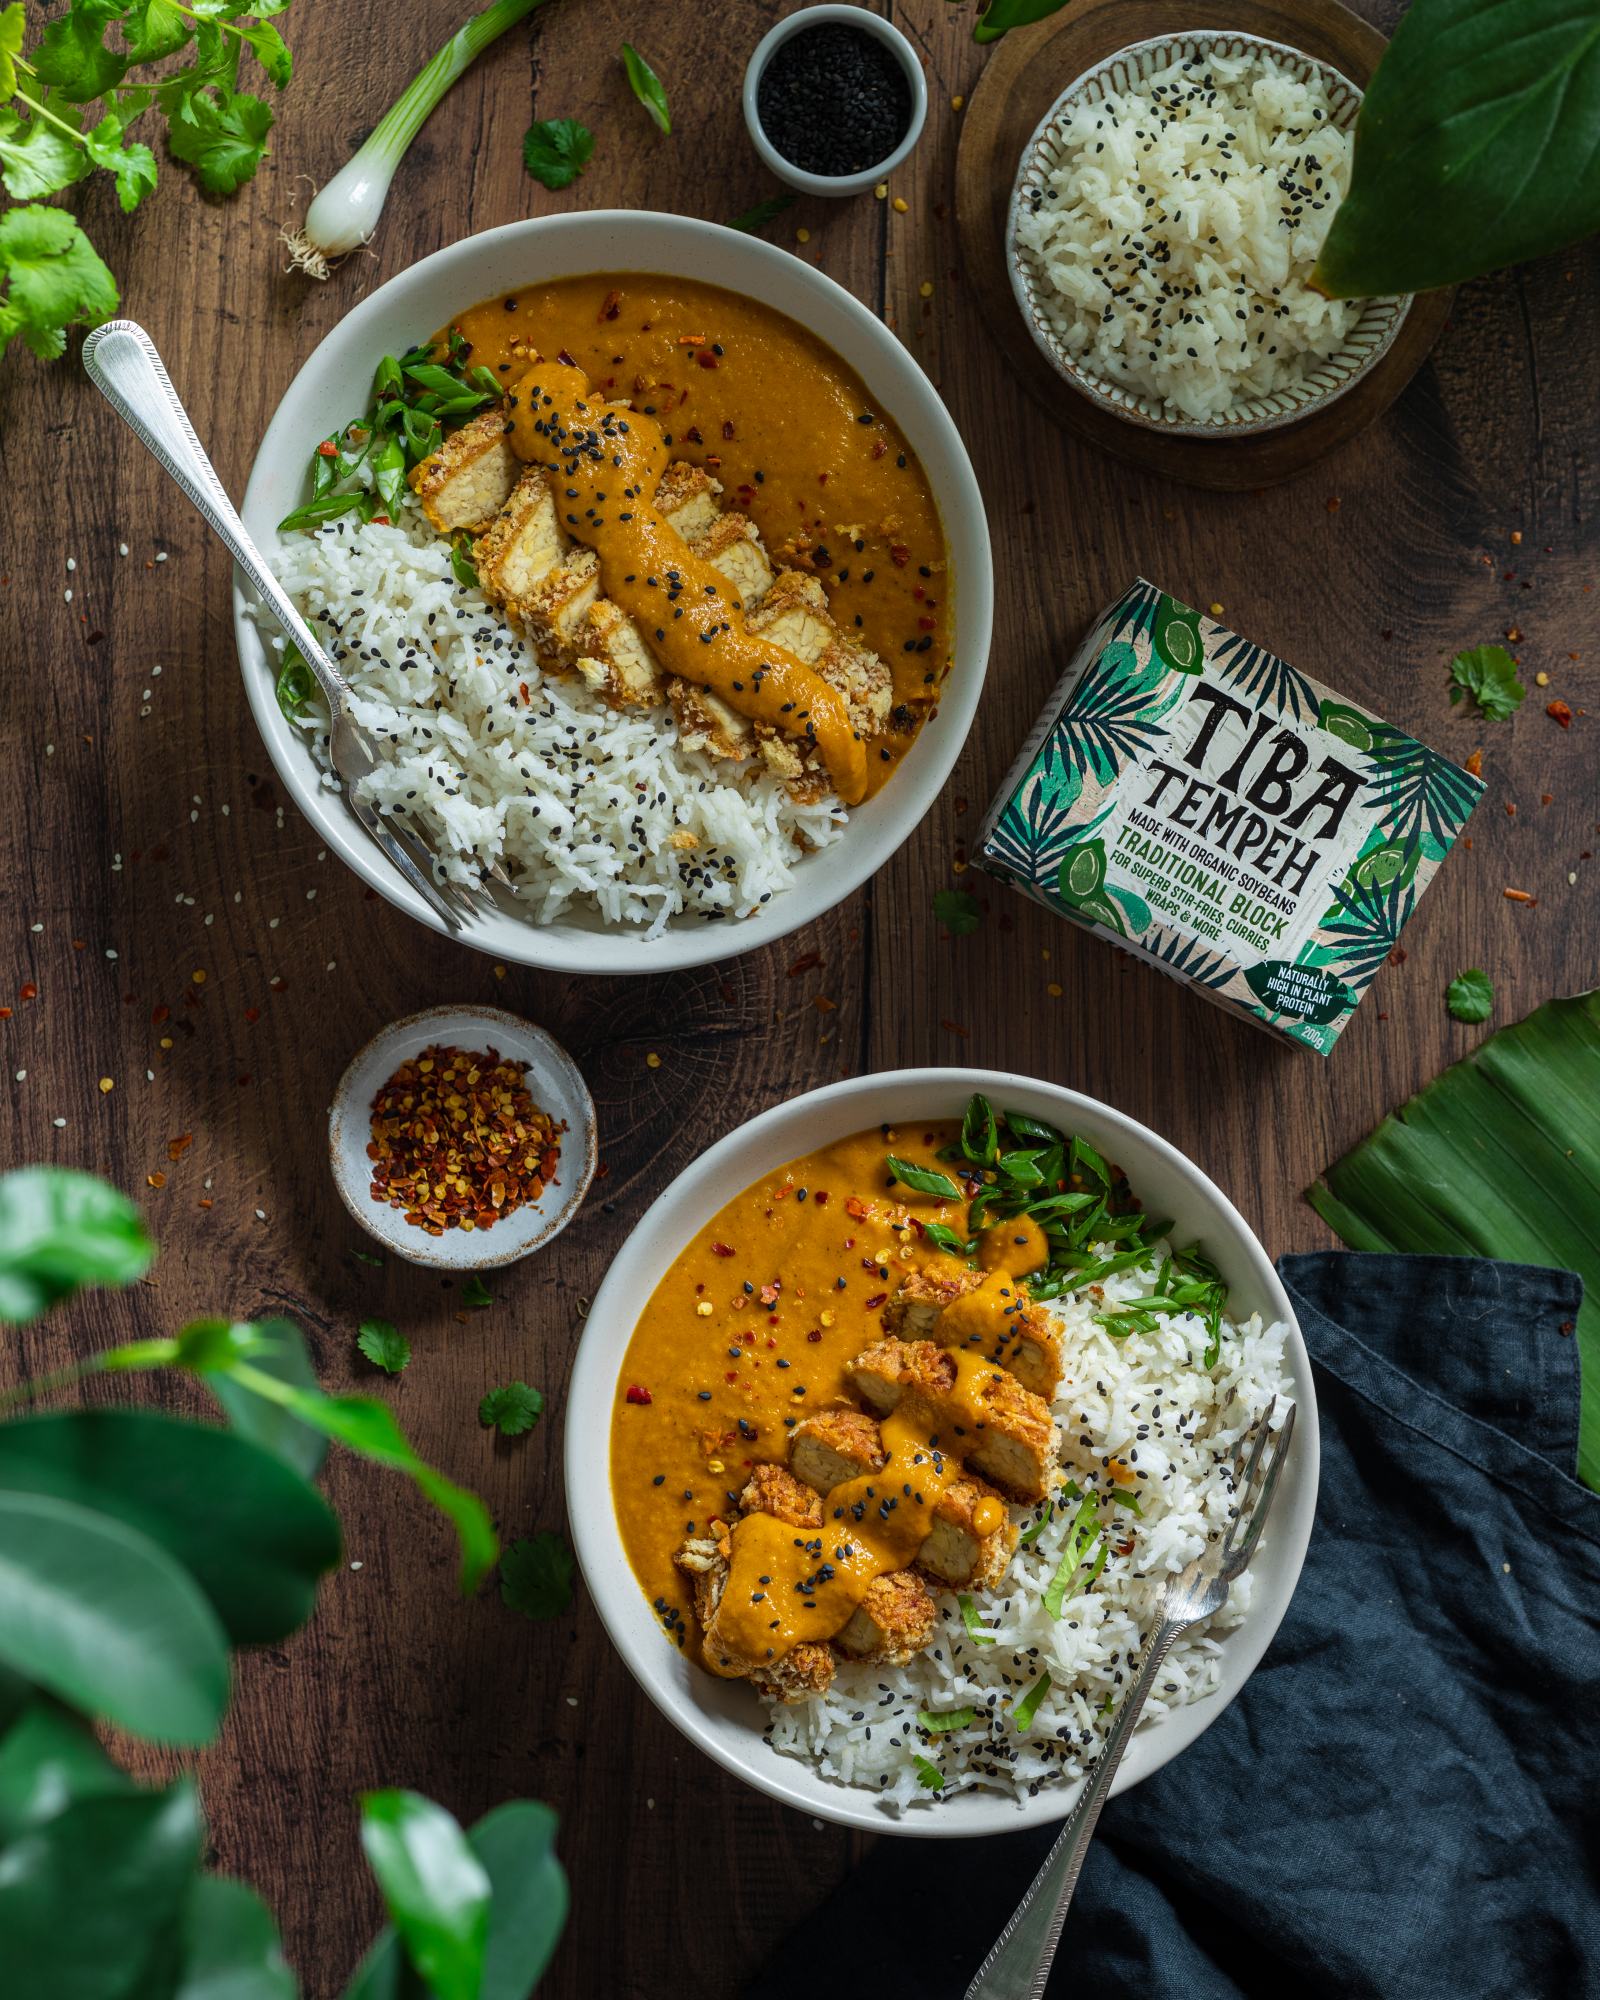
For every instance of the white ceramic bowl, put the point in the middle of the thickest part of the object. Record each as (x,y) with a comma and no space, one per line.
(555,1084)
(337,382)
(1370,337)
(723,1717)
(871,24)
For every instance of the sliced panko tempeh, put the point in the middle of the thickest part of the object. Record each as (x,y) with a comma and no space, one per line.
(806,1669)
(466,482)
(614,660)
(706,722)
(893,1621)
(840,1445)
(969,1407)
(981,1313)
(554,614)
(732,545)
(687,499)
(521,545)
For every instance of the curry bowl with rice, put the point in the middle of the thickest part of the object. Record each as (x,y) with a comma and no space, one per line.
(915,1388)
(658,573)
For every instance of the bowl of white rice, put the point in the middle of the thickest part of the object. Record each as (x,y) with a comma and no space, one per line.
(1167,215)
(1183,1397)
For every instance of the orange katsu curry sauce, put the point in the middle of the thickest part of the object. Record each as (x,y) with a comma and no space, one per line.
(751,1331)
(767,409)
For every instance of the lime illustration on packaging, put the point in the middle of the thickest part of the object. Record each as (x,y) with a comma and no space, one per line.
(1219,814)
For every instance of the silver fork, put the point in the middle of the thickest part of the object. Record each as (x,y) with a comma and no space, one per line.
(1018,1968)
(121,361)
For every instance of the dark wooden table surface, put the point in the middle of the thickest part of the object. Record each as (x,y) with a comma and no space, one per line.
(151,862)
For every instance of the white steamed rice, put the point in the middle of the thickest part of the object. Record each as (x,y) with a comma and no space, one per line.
(1149,1399)
(581,800)
(1178,230)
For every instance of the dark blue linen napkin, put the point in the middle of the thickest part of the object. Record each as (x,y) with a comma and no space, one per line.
(1405,1800)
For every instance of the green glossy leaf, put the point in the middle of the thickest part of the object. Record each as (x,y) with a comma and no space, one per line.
(252,1533)
(370,1429)
(270,50)
(646,86)
(476,1293)
(223,139)
(131,165)
(49,1759)
(155,28)
(436,1888)
(536,1576)
(230,1946)
(60,1230)
(754,220)
(13,32)
(528,1907)
(91,1900)
(929,1776)
(1478,145)
(1498,1157)
(278,1350)
(105,1618)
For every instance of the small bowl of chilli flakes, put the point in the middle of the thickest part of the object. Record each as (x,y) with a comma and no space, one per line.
(910,1434)
(1167,217)
(462,1138)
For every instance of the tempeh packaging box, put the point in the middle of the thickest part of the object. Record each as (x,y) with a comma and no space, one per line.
(1212,810)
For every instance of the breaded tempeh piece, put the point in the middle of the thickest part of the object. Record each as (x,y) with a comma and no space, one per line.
(521,545)
(972,1409)
(806,1669)
(466,482)
(924,1294)
(979,1313)
(839,1445)
(892,1623)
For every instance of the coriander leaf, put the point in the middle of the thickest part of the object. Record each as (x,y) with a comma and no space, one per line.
(556,150)
(957,910)
(361,1256)
(134,166)
(72,52)
(53,279)
(1470,996)
(941,1722)
(13,26)
(384,1345)
(756,219)
(271,50)
(1489,675)
(646,86)
(37,159)
(536,1576)
(977,1631)
(223,139)
(154,28)
(512,1410)
(1026,1709)
(923,1180)
(476,1293)
(929,1776)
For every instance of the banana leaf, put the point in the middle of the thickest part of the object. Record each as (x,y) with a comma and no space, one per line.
(1497,1157)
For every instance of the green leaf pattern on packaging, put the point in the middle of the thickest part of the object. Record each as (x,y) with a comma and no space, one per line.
(1213,810)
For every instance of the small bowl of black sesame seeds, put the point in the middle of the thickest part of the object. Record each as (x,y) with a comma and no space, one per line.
(835,99)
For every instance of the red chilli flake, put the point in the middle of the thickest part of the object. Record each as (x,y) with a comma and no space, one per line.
(1558,711)
(457,1142)
(722,1249)
(636,1394)
(877,1299)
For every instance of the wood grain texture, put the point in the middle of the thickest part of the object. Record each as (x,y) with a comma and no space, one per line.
(143,822)
(1023,78)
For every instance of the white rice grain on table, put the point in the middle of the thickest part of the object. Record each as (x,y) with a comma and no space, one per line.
(580,799)
(864,1731)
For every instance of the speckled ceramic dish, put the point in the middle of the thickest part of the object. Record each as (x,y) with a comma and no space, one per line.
(1369,338)
(554,1083)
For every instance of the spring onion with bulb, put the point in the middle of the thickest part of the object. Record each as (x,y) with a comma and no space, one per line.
(344,215)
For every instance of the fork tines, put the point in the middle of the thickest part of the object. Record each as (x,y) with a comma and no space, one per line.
(1255,1485)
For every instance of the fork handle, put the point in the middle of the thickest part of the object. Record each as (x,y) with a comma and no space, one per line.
(121,360)
(1018,1968)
